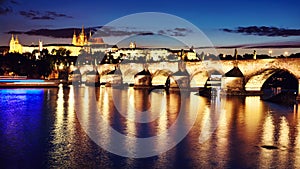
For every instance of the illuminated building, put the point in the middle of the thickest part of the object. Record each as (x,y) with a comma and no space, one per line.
(78,43)
(132,45)
(155,54)
(14,45)
(81,39)
(93,45)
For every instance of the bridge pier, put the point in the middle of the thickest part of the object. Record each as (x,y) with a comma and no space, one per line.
(298,97)
(181,78)
(142,79)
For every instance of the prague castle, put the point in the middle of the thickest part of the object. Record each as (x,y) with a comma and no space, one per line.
(92,45)
(78,43)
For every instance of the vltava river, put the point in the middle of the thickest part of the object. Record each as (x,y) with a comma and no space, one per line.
(51,128)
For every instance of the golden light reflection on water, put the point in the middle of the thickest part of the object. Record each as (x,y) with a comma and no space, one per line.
(246,122)
(87,104)
(131,126)
(104,103)
(131,102)
(284,132)
(266,156)
(71,135)
(222,134)
(160,127)
(105,113)
(58,133)
(268,131)
(60,109)
(212,118)
(158,106)
(283,140)
(71,110)
(253,116)
(297,147)
(206,125)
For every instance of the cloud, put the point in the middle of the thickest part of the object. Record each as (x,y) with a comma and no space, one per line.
(5,7)
(14,2)
(47,15)
(287,44)
(55,33)
(105,31)
(5,10)
(146,33)
(264,31)
(175,32)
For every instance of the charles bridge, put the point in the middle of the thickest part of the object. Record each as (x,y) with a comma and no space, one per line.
(255,72)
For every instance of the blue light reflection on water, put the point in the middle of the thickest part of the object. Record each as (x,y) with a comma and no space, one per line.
(20,125)
(21,91)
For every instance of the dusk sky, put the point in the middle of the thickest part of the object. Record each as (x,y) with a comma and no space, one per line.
(225,23)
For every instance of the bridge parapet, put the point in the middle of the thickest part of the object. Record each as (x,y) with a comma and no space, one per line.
(251,67)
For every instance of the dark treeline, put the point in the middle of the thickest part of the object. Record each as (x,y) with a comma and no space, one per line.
(33,65)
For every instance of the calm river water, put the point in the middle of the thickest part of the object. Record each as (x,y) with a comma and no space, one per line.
(47,128)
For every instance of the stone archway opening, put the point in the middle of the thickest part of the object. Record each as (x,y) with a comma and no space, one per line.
(281,81)
(276,85)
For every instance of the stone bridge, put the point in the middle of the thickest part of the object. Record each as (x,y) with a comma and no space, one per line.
(255,72)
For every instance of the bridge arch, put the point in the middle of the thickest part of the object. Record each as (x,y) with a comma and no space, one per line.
(199,78)
(268,78)
(160,77)
(128,75)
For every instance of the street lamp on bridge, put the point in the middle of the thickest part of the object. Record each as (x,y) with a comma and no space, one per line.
(270,53)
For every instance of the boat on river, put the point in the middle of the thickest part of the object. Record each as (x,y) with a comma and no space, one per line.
(23,81)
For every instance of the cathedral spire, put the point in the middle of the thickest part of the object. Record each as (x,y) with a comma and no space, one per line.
(82,30)
(74,40)
(12,37)
(17,40)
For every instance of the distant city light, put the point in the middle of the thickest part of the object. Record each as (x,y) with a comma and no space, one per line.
(270,52)
(61,66)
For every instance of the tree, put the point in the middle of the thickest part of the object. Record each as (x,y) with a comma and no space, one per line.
(248,56)
(45,52)
(35,51)
(68,52)
(61,52)
(53,51)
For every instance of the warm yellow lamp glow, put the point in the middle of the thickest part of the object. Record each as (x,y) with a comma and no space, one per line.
(270,52)
(61,66)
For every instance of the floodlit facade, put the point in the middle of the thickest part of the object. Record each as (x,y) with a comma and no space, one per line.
(78,43)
